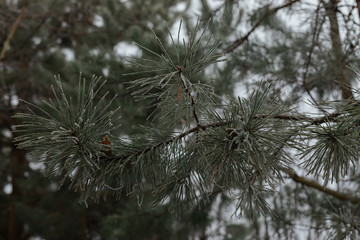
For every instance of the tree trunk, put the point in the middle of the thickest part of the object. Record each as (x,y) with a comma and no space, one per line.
(358,6)
(331,11)
(83,224)
(17,169)
(15,228)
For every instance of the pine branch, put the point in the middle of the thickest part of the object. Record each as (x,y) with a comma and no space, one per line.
(70,134)
(313,121)
(233,149)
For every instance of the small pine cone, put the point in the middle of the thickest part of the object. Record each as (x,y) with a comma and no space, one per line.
(107,142)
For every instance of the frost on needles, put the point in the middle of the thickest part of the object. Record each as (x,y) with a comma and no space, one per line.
(198,144)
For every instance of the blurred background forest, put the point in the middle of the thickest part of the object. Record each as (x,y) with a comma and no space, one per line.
(304,47)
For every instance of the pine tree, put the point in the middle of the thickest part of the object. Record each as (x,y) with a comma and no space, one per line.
(65,38)
(201,147)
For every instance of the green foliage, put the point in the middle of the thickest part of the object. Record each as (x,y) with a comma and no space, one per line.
(70,144)
(233,146)
(190,144)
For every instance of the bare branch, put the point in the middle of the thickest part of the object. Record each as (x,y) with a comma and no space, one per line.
(13,30)
(341,196)
(240,41)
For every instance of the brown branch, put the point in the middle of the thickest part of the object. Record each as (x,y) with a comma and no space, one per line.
(29,37)
(312,184)
(13,30)
(241,40)
(327,118)
(313,121)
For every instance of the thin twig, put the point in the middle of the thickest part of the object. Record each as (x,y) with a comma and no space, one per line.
(356,211)
(13,30)
(241,40)
(182,135)
(192,100)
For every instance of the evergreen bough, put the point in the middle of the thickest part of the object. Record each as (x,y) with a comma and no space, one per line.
(204,143)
